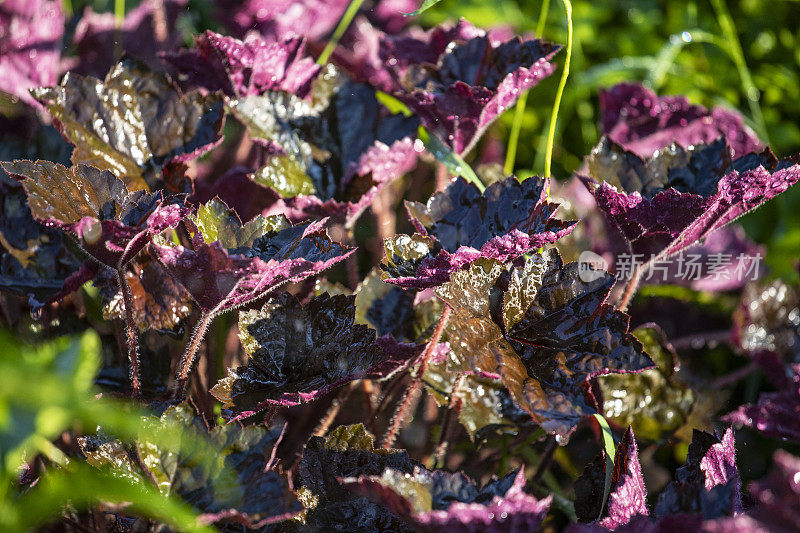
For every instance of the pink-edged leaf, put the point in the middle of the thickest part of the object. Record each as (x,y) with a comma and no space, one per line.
(111,223)
(627,497)
(232,264)
(642,122)
(708,484)
(666,203)
(298,353)
(280,19)
(459,84)
(461,224)
(436,500)
(98,39)
(241,68)
(30,46)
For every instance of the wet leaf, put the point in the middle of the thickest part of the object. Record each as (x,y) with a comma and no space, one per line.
(298,353)
(220,278)
(509,219)
(642,122)
(654,402)
(132,123)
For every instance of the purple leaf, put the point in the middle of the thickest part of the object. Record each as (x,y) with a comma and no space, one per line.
(709,483)
(242,68)
(281,19)
(461,224)
(298,353)
(776,415)
(459,83)
(98,40)
(627,497)
(679,196)
(232,264)
(30,46)
(436,500)
(112,224)
(642,122)
(339,148)
(134,122)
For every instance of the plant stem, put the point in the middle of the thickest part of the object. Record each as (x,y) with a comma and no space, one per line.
(453,406)
(519,112)
(735,50)
(344,23)
(119,13)
(191,350)
(130,330)
(630,288)
(409,400)
(545,459)
(334,409)
(548,158)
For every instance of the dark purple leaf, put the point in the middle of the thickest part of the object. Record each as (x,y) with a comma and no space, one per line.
(298,353)
(98,40)
(510,218)
(242,68)
(232,264)
(34,261)
(708,484)
(679,196)
(642,122)
(777,414)
(347,452)
(451,502)
(30,46)
(459,82)
(627,497)
(543,330)
(112,224)
(134,122)
(339,148)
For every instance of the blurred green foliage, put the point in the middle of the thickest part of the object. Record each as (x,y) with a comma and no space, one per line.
(44,391)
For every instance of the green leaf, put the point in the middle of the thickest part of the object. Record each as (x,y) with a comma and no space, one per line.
(426,5)
(217,222)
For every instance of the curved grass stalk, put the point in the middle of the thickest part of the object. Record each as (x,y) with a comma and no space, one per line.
(737,55)
(344,23)
(548,159)
(519,112)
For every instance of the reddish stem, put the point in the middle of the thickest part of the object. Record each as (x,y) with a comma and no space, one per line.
(410,399)
(191,351)
(130,329)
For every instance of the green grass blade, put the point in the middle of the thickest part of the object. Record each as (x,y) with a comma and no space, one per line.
(611,450)
(548,160)
(344,23)
(451,160)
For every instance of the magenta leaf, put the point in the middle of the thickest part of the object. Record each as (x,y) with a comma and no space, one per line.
(627,497)
(679,196)
(777,414)
(642,122)
(282,19)
(708,484)
(30,46)
(461,225)
(232,264)
(459,81)
(242,68)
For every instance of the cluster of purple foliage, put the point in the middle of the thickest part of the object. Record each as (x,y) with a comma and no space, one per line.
(174,225)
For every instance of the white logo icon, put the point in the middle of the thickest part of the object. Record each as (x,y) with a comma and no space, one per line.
(591,266)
